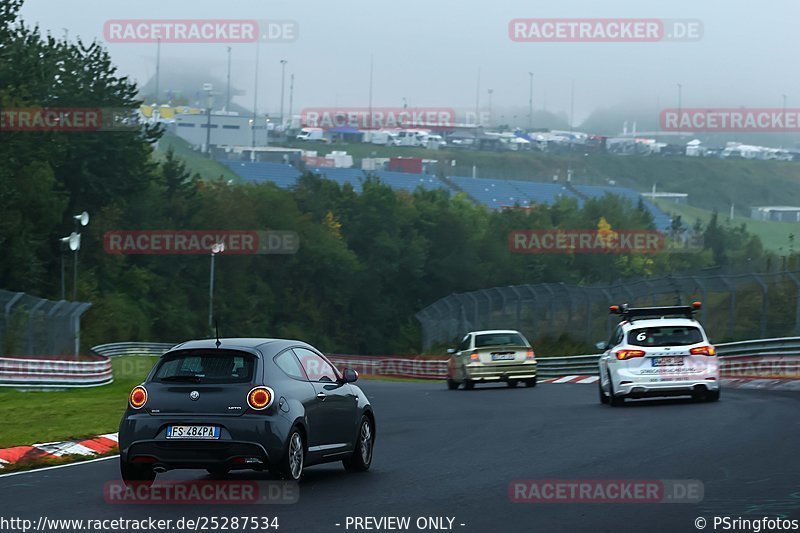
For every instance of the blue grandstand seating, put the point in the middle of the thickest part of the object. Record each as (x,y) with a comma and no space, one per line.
(282,175)
(408,182)
(661,220)
(494,193)
(497,193)
(543,193)
(353,176)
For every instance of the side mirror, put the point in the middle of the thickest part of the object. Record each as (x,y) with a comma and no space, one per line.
(451,351)
(602,345)
(350,375)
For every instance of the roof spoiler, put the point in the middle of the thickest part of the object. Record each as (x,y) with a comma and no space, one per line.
(632,313)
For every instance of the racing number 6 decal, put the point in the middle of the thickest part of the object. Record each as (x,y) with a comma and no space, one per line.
(641,336)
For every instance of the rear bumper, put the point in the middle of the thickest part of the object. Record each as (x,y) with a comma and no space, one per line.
(643,389)
(198,454)
(484,372)
(247,441)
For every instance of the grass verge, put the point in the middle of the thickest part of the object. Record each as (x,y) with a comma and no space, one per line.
(774,235)
(30,417)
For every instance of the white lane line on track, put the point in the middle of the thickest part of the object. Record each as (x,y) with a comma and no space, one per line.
(565,379)
(590,379)
(36,470)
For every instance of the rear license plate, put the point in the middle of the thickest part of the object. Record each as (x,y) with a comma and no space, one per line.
(502,357)
(192,432)
(666,361)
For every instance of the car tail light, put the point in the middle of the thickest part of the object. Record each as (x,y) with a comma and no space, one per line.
(624,355)
(138,397)
(474,357)
(697,305)
(703,350)
(260,398)
(530,356)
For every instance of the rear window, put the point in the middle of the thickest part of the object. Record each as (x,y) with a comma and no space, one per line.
(665,336)
(206,366)
(499,339)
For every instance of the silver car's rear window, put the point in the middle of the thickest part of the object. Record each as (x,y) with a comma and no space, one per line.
(665,336)
(499,339)
(205,366)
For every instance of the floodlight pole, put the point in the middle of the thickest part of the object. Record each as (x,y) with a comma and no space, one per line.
(216,249)
(63,292)
(75,276)
(211,294)
(79,220)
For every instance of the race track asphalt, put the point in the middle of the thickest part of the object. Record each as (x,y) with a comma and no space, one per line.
(443,453)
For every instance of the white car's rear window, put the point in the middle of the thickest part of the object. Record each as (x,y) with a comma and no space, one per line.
(665,336)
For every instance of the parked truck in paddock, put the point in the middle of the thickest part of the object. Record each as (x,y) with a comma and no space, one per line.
(311,134)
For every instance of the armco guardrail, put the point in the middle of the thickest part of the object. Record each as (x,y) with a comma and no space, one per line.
(777,358)
(117,349)
(556,367)
(54,373)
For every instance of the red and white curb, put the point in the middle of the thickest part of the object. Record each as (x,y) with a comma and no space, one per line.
(733,383)
(94,446)
(572,379)
(762,383)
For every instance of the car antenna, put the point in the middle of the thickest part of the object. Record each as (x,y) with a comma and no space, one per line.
(216,328)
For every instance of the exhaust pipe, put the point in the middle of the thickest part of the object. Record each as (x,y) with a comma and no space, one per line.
(159,469)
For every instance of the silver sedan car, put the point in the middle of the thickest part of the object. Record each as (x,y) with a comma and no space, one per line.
(492,356)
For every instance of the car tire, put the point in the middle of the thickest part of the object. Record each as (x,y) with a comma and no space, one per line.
(512,383)
(712,396)
(361,459)
(614,401)
(218,472)
(530,382)
(136,475)
(452,385)
(603,397)
(293,461)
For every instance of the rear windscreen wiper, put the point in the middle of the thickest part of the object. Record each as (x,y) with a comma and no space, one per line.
(188,379)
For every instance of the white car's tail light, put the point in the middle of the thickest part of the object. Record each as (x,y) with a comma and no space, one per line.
(473,357)
(624,355)
(703,350)
(530,356)
(260,398)
(138,397)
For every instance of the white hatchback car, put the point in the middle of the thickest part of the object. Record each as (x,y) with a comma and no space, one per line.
(657,351)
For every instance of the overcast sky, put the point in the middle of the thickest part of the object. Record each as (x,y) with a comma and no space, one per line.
(429,52)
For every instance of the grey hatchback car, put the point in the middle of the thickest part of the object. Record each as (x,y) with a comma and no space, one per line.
(261,404)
